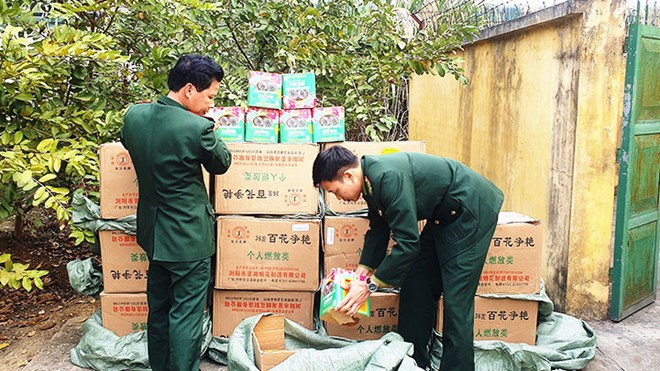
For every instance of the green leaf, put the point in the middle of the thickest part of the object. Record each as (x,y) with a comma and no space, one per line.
(39,283)
(47,177)
(44,144)
(25,97)
(4,277)
(27,283)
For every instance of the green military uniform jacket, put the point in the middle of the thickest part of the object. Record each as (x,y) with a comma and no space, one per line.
(167,144)
(403,188)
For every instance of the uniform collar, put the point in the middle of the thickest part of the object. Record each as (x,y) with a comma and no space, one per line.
(367,188)
(170,102)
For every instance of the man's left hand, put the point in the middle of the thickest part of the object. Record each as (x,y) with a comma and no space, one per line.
(357,295)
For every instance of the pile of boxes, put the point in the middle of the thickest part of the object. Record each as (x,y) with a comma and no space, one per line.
(513,266)
(125,265)
(266,261)
(281,108)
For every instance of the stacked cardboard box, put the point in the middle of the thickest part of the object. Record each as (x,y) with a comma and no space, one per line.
(125,265)
(265,261)
(513,266)
(342,246)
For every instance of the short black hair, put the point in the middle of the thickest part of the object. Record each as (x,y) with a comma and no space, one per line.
(199,70)
(332,162)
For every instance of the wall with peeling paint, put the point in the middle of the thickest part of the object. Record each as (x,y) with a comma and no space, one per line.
(541,118)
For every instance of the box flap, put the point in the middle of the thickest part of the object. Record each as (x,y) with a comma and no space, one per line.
(510,217)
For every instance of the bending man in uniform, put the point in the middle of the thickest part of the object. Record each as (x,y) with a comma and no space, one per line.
(168,142)
(461,209)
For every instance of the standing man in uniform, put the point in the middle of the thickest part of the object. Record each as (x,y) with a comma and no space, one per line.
(461,209)
(169,141)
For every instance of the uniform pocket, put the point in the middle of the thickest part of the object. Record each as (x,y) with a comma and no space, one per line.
(455,221)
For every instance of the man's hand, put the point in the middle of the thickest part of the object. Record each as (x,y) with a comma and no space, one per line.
(357,295)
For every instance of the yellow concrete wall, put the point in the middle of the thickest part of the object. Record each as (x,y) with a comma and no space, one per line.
(540,118)
(600,108)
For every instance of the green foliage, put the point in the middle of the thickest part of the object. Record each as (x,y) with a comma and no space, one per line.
(54,108)
(16,275)
(70,68)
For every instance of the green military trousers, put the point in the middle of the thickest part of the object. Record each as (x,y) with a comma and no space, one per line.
(456,279)
(176,295)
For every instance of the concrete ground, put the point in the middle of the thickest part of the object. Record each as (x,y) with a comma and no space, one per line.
(632,344)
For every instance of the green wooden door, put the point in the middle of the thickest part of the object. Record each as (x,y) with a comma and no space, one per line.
(637,232)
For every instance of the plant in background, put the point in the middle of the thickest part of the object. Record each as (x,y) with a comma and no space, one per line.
(54,109)
(16,275)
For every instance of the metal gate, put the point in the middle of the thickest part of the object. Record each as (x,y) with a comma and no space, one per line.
(637,232)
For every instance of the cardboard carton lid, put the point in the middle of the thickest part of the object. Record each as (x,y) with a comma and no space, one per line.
(510,217)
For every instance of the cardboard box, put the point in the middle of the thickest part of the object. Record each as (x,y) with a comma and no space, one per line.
(264,90)
(268,254)
(296,126)
(513,264)
(124,314)
(268,342)
(118,182)
(508,320)
(232,123)
(344,240)
(231,307)
(268,179)
(125,264)
(262,125)
(384,318)
(298,90)
(328,124)
(369,148)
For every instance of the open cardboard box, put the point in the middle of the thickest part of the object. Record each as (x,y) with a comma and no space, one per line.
(268,342)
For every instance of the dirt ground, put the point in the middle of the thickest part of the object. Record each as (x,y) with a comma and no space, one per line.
(28,320)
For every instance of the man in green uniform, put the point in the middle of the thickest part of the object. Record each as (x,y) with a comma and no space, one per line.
(168,142)
(460,207)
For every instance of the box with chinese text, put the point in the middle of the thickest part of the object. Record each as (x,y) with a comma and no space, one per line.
(268,254)
(262,125)
(508,320)
(268,179)
(118,182)
(369,148)
(296,126)
(513,264)
(231,122)
(230,307)
(125,264)
(298,90)
(384,318)
(264,90)
(328,124)
(124,314)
